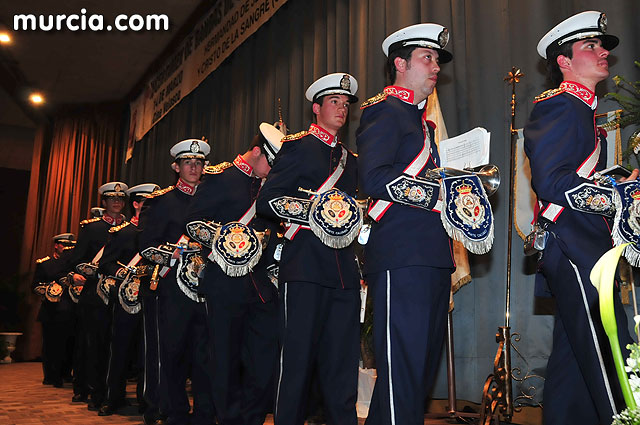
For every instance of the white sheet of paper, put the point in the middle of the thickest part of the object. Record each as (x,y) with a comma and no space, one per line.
(467,150)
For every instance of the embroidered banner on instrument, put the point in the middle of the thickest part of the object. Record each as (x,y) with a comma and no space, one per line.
(128,294)
(292,229)
(335,218)
(626,228)
(236,249)
(190,267)
(466,215)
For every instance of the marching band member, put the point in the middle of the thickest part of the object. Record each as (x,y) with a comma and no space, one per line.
(174,314)
(319,285)
(241,304)
(126,320)
(92,340)
(409,258)
(565,149)
(56,311)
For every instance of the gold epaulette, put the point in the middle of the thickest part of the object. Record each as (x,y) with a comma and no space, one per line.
(90,220)
(548,94)
(375,99)
(42,260)
(218,168)
(67,248)
(159,192)
(119,227)
(295,136)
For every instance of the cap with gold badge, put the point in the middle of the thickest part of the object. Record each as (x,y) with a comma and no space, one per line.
(190,148)
(589,24)
(337,83)
(429,35)
(272,141)
(113,189)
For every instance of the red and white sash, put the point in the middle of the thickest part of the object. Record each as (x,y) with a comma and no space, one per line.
(380,207)
(553,211)
(292,228)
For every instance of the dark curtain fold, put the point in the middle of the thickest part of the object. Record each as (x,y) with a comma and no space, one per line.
(71,159)
(307,39)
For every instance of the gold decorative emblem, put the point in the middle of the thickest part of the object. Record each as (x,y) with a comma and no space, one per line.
(345,83)
(117,187)
(443,37)
(468,207)
(56,289)
(336,211)
(415,193)
(602,22)
(195,147)
(238,242)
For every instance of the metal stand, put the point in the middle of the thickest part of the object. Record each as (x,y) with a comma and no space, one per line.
(497,394)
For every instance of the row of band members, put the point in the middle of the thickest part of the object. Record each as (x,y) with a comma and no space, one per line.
(254,338)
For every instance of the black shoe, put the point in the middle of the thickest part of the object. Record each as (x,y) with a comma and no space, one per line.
(93,405)
(107,410)
(150,416)
(79,398)
(57,384)
(47,382)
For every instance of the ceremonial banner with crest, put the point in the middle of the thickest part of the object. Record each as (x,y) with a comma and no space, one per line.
(626,228)
(222,30)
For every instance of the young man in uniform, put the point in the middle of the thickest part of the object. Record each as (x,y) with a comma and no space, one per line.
(242,310)
(565,149)
(126,342)
(92,342)
(174,314)
(319,285)
(56,311)
(408,258)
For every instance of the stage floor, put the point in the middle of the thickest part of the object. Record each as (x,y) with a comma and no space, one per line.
(24,400)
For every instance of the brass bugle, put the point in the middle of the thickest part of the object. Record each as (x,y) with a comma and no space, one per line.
(489,175)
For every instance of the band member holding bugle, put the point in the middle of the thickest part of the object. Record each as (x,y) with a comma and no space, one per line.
(409,258)
(241,299)
(318,278)
(92,341)
(56,311)
(171,299)
(565,149)
(121,268)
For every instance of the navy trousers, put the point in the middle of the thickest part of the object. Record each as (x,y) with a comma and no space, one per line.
(126,345)
(151,385)
(409,324)
(244,342)
(581,385)
(321,329)
(184,348)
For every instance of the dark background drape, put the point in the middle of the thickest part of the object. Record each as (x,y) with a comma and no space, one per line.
(307,39)
(72,157)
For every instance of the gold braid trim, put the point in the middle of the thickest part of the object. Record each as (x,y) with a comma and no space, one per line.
(42,260)
(548,94)
(90,220)
(119,227)
(373,100)
(295,136)
(218,168)
(159,192)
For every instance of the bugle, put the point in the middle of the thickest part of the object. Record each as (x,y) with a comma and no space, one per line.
(489,175)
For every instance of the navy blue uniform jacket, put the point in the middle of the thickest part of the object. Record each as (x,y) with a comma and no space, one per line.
(48,270)
(163,221)
(559,136)
(306,161)
(389,138)
(92,237)
(223,197)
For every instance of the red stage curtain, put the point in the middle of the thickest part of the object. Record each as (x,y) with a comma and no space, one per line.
(72,157)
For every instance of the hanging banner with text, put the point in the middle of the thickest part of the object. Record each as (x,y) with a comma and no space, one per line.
(225,27)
